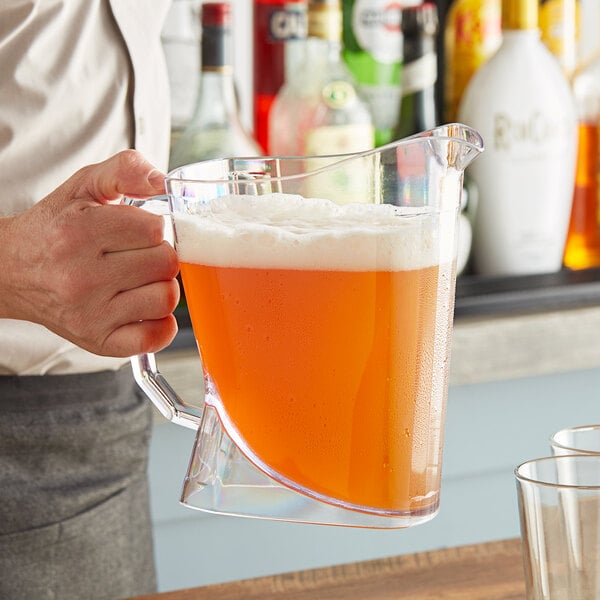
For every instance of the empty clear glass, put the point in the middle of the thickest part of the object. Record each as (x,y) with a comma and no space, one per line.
(559,504)
(583,439)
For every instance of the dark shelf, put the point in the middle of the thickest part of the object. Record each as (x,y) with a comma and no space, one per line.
(478,296)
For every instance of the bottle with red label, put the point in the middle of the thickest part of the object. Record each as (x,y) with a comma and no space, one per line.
(279,33)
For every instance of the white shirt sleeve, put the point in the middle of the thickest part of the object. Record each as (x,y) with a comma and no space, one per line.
(79,81)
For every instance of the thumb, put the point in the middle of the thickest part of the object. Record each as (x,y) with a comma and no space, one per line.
(126,173)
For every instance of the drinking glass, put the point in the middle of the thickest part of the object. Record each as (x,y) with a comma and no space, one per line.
(582,439)
(559,505)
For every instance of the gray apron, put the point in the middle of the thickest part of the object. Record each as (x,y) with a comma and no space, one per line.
(74,510)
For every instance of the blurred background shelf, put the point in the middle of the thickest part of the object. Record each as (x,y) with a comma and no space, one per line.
(478,296)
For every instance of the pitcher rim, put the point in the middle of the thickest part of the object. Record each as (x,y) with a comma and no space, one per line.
(474,143)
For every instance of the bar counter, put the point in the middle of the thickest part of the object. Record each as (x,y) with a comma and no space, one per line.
(489,571)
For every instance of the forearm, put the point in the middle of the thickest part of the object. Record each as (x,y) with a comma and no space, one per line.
(9,307)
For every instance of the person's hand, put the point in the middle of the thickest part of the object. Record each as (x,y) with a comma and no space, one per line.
(97,273)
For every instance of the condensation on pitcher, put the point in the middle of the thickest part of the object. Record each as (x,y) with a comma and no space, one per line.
(289,231)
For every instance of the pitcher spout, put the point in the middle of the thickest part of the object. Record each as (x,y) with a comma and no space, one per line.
(459,145)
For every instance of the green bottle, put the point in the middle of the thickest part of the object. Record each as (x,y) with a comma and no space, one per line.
(372,39)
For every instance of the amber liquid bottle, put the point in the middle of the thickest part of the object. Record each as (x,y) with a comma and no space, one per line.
(582,249)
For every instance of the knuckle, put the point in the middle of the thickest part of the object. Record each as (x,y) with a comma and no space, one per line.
(128,159)
(165,297)
(155,229)
(167,265)
(149,227)
(172,295)
(172,261)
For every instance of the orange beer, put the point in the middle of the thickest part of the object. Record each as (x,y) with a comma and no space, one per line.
(329,367)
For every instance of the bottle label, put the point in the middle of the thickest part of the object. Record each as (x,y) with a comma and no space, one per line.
(534,136)
(287,23)
(338,94)
(346,183)
(377,28)
(419,74)
(473,33)
(526,190)
(339,139)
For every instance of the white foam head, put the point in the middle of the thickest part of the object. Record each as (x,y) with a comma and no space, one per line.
(288,231)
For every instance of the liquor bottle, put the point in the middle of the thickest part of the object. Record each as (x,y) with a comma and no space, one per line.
(215,130)
(279,36)
(582,249)
(321,111)
(418,110)
(180,37)
(522,105)
(559,24)
(472,34)
(372,50)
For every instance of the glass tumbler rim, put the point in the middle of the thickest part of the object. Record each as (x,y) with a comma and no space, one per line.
(574,429)
(521,477)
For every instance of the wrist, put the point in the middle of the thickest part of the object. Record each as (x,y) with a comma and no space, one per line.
(7,269)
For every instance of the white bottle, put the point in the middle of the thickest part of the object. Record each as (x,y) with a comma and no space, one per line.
(522,105)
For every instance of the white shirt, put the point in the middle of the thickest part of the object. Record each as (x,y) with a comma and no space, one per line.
(79,81)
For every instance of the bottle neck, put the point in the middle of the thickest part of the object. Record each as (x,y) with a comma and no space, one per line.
(216,53)
(420,64)
(216,94)
(325,22)
(418,110)
(320,52)
(519,15)
(512,37)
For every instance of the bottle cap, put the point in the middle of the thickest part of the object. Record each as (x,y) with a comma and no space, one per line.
(325,19)
(422,18)
(519,14)
(215,13)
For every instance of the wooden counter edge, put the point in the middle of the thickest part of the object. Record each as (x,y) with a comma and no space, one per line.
(488,571)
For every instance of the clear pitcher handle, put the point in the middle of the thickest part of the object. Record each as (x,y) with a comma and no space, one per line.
(144,367)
